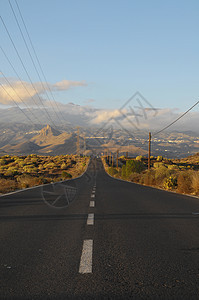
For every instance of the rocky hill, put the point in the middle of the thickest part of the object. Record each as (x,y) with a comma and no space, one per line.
(19,138)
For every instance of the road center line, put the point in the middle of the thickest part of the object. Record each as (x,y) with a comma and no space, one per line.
(92,203)
(93,196)
(86,258)
(90,220)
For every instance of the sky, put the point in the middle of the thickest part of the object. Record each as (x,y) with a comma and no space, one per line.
(99,53)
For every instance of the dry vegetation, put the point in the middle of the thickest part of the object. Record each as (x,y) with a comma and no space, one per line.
(178,175)
(19,172)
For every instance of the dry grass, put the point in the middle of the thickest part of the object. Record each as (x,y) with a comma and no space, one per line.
(26,181)
(28,171)
(7,185)
(185,182)
(195,182)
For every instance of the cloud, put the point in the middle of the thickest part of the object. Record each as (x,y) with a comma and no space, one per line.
(149,122)
(67,84)
(17,93)
(101,116)
(12,90)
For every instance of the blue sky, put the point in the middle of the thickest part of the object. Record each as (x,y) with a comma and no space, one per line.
(116,47)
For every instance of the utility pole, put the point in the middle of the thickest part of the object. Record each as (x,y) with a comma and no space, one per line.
(84,143)
(149,154)
(112,159)
(126,154)
(78,142)
(117,159)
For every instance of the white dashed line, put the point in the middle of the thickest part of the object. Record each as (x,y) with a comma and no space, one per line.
(86,258)
(90,220)
(92,203)
(93,196)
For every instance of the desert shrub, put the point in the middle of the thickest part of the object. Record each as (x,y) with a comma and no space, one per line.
(58,179)
(173,167)
(11,171)
(134,166)
(182,167)
(64,166)
(2,162)
(43,180)
(112,171)
(40,167)
(195,182)
(25,181)
(159,158)
(140,157)
(160,174)
(170,183)
(119,173)
(30,169)
(21,164)
(6,156)
(148,178)
(34,161)
(66,175)
(158,164)
(49,165)
(7,185)
(32,155)
(135,177)
(185,182)
(123,173)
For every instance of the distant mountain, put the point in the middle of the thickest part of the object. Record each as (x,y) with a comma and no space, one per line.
(49,131)
(19,138)
(22,148)
(50,138)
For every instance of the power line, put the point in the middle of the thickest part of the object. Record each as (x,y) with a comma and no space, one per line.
(36,56)
(16,104)
(49,117)
(22,83)
(16,73)
(27,47)
(177,119)
(8,82)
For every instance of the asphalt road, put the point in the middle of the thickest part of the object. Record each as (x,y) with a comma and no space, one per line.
(115,240)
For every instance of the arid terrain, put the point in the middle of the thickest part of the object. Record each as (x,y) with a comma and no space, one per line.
(24,139)
(180,175)
(19,172)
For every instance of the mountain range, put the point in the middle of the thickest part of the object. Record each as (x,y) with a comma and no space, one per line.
(24,139)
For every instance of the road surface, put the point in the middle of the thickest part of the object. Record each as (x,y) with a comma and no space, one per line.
(115,240)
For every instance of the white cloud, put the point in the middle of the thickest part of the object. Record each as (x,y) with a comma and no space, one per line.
(25,92)
(67,84)
(101,116)
(150,122)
